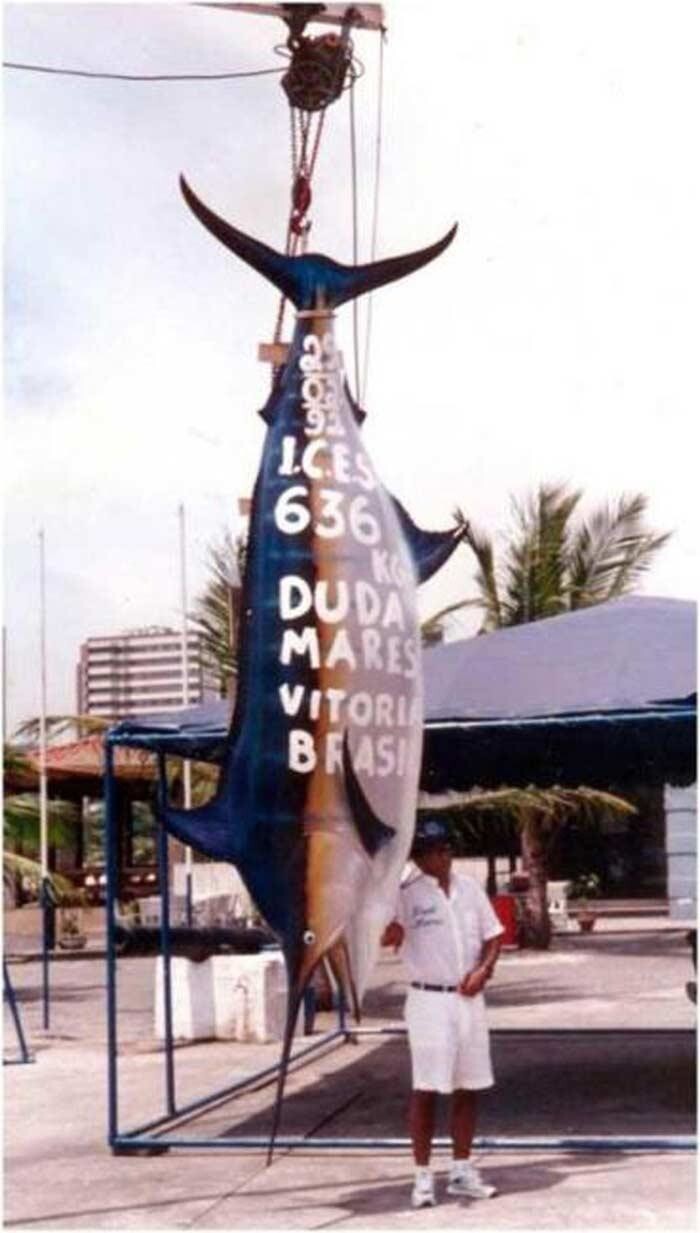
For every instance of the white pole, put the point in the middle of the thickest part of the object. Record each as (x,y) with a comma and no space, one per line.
(43,795)
(4,683)
(187,766)
(46,911)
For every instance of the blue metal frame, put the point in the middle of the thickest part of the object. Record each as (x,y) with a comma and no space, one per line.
(189,910)
(141,1138)
(164,887)
(157,1134)
(9,995)
(532,1143)
(47,900)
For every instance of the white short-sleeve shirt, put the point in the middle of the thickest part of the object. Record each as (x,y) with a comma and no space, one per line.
(444,934)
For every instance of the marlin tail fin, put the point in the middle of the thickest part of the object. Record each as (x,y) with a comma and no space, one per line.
(313,279)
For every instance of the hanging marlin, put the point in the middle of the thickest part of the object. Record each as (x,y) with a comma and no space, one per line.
(316,798)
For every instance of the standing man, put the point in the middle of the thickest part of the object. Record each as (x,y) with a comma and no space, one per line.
(451,937)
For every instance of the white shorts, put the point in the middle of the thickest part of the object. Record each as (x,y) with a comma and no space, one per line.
(449,1040)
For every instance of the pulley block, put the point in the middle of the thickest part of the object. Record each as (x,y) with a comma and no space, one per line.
(317,72)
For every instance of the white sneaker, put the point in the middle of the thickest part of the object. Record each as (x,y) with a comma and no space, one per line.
(423,1193)
(466,1180)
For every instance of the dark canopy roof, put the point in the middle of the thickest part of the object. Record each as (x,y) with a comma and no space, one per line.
(604,695)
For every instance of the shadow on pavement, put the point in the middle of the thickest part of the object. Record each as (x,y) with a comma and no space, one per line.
(555,1086)
(531,993)
(59,993)
(384,1198)
(655,945)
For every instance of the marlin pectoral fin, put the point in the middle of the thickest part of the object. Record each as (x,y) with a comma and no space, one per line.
(429,549)
(207,828)
(372,831)
(339,962)
(358,414)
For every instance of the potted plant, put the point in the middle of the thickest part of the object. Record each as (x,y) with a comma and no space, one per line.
(581,890)
(70,921)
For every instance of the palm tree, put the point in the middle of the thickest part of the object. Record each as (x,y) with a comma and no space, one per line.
(553,563)
(21,830)
(73,726)
(217,612)
(537,813)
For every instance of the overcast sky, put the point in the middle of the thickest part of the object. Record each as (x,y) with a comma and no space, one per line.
(555,340)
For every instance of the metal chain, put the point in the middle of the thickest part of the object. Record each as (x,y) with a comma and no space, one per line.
(291,238)
(314,153)
(375,214)
(300,129)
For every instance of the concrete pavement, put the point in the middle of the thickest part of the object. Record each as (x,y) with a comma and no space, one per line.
(59,1173)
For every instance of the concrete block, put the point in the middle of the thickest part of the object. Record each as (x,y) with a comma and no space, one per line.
(682,840)
(250,996)
(679,800)
(683,908)
(681,869)
(681,850)
(192,989)
(230,997)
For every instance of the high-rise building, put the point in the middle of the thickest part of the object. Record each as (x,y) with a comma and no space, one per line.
(138,672)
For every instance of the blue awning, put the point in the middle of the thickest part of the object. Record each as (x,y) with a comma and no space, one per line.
(604,695)
(626,655)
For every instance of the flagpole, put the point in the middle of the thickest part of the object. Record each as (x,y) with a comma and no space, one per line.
(46,897)
(4,683)
(186,766)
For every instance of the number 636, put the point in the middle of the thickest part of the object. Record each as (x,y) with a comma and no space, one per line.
(335,516)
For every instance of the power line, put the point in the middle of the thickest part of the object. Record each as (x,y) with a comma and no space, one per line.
(375,214)
(67,72)
(353,170)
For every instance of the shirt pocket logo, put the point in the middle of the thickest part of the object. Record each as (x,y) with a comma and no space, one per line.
(424,917)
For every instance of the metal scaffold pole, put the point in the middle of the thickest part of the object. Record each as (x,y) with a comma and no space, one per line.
(46,894)
(186,765)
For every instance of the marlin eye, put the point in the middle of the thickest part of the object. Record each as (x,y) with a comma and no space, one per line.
(309,937)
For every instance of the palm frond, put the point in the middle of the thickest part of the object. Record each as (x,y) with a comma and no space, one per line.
(15,761)
(216,615)
(544,807)
(16,866)
(549,566)
(535,567)
(21,815)
(611,551)
(77,726)
(485,578)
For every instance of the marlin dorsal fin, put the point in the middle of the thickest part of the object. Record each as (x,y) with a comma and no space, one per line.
(429,549)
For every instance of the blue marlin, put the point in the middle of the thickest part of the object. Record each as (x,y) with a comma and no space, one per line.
(315,803)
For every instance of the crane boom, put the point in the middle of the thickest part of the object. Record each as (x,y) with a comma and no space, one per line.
(364,16)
